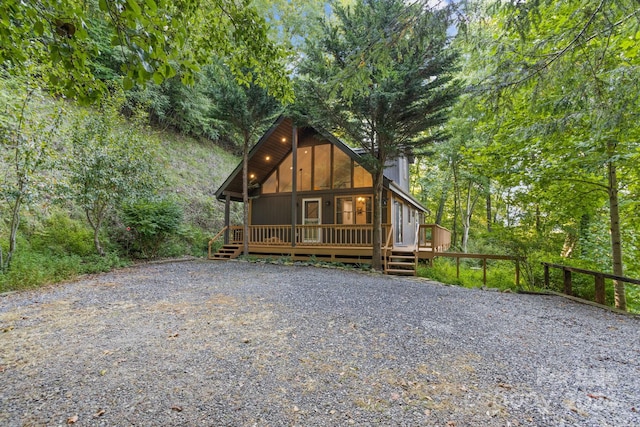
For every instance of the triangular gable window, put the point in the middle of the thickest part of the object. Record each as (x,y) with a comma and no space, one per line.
(320,167)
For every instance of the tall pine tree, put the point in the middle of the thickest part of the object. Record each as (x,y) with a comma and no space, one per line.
(381,74)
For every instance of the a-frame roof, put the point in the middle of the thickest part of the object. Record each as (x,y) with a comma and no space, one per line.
(271,150)
(275,145)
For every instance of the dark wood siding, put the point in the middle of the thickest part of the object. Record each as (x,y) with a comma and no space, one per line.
(275,209)
(271,210)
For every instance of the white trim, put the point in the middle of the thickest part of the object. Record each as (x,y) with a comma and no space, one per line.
(308,234)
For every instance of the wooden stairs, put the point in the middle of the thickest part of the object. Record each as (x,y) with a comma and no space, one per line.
(227,252)
(401,263)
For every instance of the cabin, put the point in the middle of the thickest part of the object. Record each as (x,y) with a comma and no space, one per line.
(311,196)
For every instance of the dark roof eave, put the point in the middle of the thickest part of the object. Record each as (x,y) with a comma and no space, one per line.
(220,192)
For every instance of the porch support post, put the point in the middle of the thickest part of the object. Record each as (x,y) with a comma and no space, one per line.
(294,184)
(227,217)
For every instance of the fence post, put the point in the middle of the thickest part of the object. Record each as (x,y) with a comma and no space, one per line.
(599,288)
(546,276)
(457,267)
(567,281)
(484,271)
(517,272)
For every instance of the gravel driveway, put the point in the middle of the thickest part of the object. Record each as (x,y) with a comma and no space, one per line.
(240,344)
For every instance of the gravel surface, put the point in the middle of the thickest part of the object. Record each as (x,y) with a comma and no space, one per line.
(241,344)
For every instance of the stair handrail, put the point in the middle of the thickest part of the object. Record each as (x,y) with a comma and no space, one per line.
(214,238)
(386,247)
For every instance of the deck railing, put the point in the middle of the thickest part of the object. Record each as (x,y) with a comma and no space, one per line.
(434,238)
(430,237)
(213,239)
(308,235)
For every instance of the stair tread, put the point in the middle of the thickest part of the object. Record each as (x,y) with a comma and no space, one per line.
(395,271)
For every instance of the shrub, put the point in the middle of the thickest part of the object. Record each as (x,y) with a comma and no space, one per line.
(60,234)
(152,223)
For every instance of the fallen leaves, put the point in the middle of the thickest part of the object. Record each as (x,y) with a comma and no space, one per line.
(177,408)
(100,413)
(72,420)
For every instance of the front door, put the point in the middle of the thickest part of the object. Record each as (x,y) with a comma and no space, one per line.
(311,215)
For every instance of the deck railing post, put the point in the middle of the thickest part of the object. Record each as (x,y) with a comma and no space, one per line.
(546,276)
(227,217)
(600,295)
(567,281)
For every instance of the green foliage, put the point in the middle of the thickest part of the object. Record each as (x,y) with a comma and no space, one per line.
(109,164)
(155,39)
(62,235)
(633,298)
(500,274)
(32,268)
(26,151)
(152,223)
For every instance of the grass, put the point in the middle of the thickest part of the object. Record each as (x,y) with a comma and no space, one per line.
(500,274)
(54,240)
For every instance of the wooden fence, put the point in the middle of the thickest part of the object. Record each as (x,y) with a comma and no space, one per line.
(598,279)
(484,258)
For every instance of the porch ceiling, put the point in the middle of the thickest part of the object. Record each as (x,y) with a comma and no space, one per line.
(264,157)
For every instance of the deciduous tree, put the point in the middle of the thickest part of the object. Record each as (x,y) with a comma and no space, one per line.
(155,39)
(109,164)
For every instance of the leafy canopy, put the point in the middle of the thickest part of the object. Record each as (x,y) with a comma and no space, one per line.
(155,38)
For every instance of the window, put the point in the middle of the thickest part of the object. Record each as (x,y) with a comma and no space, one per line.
(398,207)
(361,177)
(354,210)
(305,155)
(319,167)
(284,173)
(271,184)
(341,169)
(363,210)
(344,210)
(322,167)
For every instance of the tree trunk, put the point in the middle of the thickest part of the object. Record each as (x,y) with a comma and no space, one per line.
(15,222)
(616,241)
(442,202)
(96,241)
(465,218)
(489,210)
(245,196)
(95,225)
(378,179)
(456,204)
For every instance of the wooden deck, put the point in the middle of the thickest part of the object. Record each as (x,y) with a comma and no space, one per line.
(349,244)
